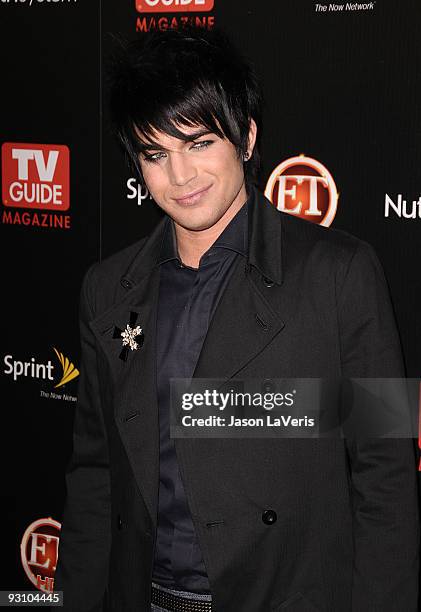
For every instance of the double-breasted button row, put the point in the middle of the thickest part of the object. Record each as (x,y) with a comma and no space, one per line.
(268,517)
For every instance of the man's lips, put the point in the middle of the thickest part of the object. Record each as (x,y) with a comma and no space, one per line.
(193,196)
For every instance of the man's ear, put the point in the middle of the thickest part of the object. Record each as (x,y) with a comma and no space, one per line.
(251,137)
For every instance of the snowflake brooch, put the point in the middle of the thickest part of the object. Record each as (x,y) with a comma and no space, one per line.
(132,336)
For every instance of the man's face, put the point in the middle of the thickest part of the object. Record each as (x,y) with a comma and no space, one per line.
(195,182)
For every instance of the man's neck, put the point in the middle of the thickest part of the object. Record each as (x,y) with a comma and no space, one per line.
(191,244)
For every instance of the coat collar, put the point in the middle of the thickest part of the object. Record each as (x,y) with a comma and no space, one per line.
(264,239)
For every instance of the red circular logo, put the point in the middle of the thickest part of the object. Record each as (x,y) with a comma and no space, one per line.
(39,552)
(303,187)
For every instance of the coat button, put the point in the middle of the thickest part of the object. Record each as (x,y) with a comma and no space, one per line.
(126,283)
(269,517)
(268,282)
(119,522)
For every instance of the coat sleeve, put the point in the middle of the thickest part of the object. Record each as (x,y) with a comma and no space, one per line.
(383,471)
(82,568)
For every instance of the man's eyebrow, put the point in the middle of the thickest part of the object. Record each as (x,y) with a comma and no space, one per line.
(154,146)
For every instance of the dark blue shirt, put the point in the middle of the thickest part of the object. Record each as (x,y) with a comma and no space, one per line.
(187,300)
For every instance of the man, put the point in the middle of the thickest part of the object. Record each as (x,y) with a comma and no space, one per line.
(226,286)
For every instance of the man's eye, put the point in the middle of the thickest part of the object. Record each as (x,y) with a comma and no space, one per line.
(202,144)
(153,157)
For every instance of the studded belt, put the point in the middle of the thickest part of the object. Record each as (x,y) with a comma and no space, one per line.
(183,602)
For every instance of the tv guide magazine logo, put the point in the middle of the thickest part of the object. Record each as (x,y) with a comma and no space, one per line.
(36,177)
(173,6)
(173,14)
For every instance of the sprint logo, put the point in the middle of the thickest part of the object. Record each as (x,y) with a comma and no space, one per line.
(34,369)
(69,371)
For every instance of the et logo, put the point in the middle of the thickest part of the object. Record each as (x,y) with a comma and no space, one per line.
(39,552)
(303,187)
(173,6)
(35,176)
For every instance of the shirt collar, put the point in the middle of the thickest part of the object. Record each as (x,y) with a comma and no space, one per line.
(234,237)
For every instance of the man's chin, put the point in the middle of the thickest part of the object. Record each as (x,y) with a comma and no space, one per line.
(196,227)
(196,222)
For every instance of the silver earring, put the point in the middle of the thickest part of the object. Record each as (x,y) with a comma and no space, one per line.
(246,156)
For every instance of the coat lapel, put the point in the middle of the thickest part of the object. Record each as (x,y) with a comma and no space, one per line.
(244,321)
(243,324)
(134,380)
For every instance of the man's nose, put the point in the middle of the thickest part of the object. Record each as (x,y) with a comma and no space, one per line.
(181,168)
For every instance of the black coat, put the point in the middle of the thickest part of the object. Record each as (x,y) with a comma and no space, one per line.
(346,535)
